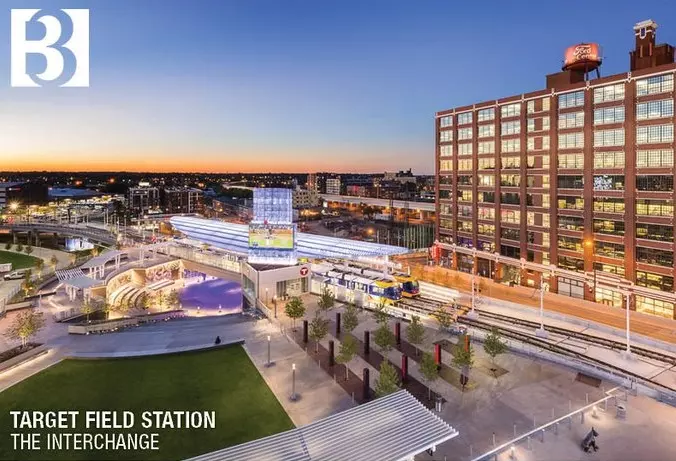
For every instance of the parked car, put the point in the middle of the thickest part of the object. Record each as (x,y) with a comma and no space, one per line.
(16,275)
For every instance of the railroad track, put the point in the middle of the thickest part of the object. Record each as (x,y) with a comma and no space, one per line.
(561,350)
(596,340)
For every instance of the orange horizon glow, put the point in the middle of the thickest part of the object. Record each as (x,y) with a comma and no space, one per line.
(198,162)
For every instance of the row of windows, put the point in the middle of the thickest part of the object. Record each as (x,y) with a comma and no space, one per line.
(646,86)
(511,128)
(603,138)
(464,118)
(609,159)
(571,161)
(651,134)
(609,93)
(655,158)
(571,120)
(510,145)
(464,133)
(614,114)
(446,136)
(655,109)
(575,99)
(532,144)
(486,147)
(571,140)
(486,131)
(485,115)
(465,148)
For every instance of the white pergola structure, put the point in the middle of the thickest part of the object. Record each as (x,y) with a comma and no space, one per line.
(81,283)
(96,266)
(153,248)
(392,428)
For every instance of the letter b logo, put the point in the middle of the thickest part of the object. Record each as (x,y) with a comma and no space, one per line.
(52,46)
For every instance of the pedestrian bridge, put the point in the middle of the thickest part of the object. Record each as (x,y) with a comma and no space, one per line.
(97,235)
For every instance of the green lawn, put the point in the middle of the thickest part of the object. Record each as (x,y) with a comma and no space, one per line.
(18,260)
(222,380)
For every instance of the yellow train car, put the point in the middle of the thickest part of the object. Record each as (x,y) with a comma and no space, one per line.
(410,288)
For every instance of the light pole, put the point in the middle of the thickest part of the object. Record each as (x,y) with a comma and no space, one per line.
(589,243)
(627,353)
(294,396)
(266,297)
(274,302)
(541,332)
(269,362)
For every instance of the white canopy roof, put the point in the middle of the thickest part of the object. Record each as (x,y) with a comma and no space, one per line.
(82,282)
(102,259)
(392,428)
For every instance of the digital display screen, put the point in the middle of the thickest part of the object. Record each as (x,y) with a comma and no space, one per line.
(272,237)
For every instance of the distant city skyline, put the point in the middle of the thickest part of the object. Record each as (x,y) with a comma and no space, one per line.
(265,86)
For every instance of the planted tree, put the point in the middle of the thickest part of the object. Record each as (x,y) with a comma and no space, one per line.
(39,265)
(443,317)
(415,333)
(319,328)
(123,307)
(27,284)
(28,249)
(429,371)
(379,313)
(53,261)
(348,349)
(19,247)
(494,345)
(464,359)
(148,302)
(326,300)
(87,308)
(8,246)
(350,318)
(106,308)
(388,381)
(173,300)
(384,338)
(25,325)
(161,299)
(294,309)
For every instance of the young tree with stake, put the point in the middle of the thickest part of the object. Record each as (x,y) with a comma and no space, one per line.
(494,345)
(388,381)
(25,325)
(319,328)
(384,338)
(429,371)
(294,309)
(443,317)
(415,333)
(326,300)
(348,349)
(350,318)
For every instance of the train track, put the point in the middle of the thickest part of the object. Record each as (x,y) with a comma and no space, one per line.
(592,339)
(428,306)
(561,350)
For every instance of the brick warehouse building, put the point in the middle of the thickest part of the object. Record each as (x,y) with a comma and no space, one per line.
(572,185)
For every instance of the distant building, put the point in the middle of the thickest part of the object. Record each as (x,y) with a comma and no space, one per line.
(312,182)
(143,199)
(71,193)
(23,193)
(182,200)
(333,186)
(356,190)
(304,198)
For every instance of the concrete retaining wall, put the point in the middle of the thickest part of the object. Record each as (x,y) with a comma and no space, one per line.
(23,358)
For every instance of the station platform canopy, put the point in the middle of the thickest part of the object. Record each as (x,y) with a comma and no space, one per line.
(235,237)
(392,428)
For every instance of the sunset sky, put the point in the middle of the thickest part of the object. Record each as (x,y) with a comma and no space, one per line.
(293,85)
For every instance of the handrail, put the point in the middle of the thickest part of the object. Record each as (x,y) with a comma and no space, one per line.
(543,427)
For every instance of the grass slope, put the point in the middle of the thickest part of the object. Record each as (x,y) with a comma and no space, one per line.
(18,260)
(222,380)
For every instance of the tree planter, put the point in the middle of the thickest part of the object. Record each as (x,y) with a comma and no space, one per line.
(18,355)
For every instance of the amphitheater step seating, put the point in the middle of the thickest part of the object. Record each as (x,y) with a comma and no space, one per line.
(159,285)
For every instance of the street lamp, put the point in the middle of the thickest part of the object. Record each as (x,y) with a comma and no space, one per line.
(14,206)
(294,396)
(541,332)
(589,243)
(269,363)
